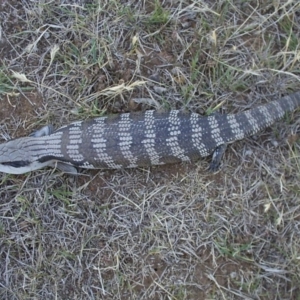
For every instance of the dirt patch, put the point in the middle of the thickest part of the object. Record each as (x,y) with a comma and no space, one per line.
(18,113)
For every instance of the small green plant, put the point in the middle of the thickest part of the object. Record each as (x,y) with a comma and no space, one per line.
(159,15)
(6,84)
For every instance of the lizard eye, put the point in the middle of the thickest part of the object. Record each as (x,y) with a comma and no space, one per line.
(16,164)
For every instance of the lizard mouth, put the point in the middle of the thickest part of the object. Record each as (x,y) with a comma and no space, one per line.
(16,164)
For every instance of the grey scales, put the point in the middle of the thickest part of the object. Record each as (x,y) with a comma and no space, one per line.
(130,140)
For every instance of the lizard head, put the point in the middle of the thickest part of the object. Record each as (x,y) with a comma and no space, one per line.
(16,157)
(27,154)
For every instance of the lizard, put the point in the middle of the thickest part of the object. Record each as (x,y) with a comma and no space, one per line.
(139,139)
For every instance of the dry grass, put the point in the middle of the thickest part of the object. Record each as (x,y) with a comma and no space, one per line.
(173,232)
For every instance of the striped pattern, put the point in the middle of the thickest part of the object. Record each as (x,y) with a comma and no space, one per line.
(140,139)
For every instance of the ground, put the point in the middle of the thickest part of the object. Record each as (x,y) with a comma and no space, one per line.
(169,232)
